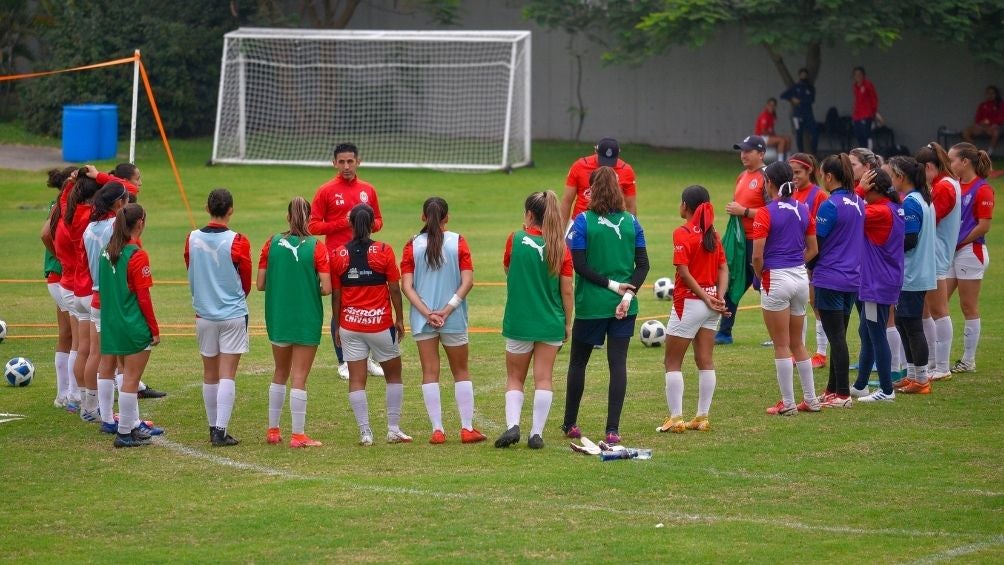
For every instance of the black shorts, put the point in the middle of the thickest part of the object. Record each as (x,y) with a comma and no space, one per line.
(911,304)
(835,300)
(594,331)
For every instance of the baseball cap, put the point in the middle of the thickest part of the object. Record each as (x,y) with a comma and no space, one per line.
(751,143)
(607,151)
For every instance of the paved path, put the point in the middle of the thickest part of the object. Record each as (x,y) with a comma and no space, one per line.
(31,158)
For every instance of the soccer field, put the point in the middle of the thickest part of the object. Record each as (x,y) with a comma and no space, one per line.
(917,480)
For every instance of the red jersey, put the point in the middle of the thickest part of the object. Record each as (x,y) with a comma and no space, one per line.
(567,269)
(329,212)
(813,192)
(765,123)
(990,112)
(865,101)
(578,177)
(878,221)
(703,265)
(463,253)
(321,261)
(139,281)
(943,197)
(749,193)
(365,308)
(69,246)
(105,178)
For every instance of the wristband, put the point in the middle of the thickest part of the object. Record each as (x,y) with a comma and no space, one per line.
(627,296)
(613,285)
(455,301)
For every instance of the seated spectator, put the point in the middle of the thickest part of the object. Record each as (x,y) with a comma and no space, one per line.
(765,129)
(989,119)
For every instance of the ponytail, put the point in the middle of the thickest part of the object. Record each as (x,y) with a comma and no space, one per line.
(867,157)
(125,223)
(911,169)
(435,211)
(58,177)
(780,175)
(83,190)
(979,158)
(543,208)
(299,214)
(698,202)
(882,184)
(105,199)
(935,154)
(361,220)
(839,167)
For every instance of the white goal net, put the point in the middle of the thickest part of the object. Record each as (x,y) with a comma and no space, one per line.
(437,99)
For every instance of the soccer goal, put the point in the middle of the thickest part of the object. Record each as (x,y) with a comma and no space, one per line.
(438,99)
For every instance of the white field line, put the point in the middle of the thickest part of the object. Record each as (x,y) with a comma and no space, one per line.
(662,516)
(961,551)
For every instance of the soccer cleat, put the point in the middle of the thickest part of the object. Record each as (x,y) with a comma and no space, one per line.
(859,393)
(59,402)
(780,409)
(109,428)
(138,433)
(700,424)
(916,388)
(222,439)
(146,426)
(936,376)
(91,416)
(150,393)
(675,425)
(769,343)
(373,368)
(613,437)
(818,361)
(836,401)
(572,432)
(878,396)
(471,436)
(437,437)
(273,436)
(366,437)
(809,406)
(343,371)
(72,406)
(535,442)
(900,383)
(723,339)
(508,437)
(130,440)
(962,366)
(397,436)
(302,440)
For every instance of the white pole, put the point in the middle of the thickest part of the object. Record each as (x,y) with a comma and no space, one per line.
(241,108)
(508,108)
(219,100)
(135,105)
(527,100)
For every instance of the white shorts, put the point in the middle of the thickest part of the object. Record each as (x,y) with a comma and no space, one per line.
(447,339)
(96,318)
(696,315)
(357,346)
(967,266)
(785,288)
(520,347)
(81,309)
(56,291)
(222,336)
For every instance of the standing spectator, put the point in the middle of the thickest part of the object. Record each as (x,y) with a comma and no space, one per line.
(802,96)
(750,195)
(988,120)
(765,128)
(329,216)
(865,107)
(577,185)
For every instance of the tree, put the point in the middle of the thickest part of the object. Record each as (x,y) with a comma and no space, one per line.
(336,14)
(633,31)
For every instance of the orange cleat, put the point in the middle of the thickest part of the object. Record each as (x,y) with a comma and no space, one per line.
(273,436)
(437,437)
(471,436)
(818,361)
(675,425)
(301,440)
(916,388)
(699,423)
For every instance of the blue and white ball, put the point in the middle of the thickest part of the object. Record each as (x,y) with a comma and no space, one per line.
(3,330)
(19,372)
(664,288)
(652,334)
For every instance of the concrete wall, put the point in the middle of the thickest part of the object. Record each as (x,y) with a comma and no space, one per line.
(710,97)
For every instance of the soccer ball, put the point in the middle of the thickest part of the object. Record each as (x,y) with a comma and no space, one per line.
(3,330)
(19,372)
(664,288)
(653,333)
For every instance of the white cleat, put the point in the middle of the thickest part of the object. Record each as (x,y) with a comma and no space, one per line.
(343,371)
(366,437)
(877,396)
(373,367)
(397,436)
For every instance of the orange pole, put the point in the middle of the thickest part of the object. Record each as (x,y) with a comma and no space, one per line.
(83,68)
(163,138)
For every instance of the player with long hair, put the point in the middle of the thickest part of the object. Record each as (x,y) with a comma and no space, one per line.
(538,312)
(53,272)
(369,320)
(611,262)
(219,276)
(805,171)
(972,166)
(128,324)
(437,273)
(702,276)
(293,272)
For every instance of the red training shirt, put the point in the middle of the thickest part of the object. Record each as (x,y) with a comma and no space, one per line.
(749,194)
(240,255)
(865,101)
(802,195)
(578,177)
(688,250)
(943,197)
(366,309)
(139,280)
(329,212)
(765,123)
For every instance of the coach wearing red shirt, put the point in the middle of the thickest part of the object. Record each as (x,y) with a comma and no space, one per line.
(577,184)
(865,106)
(329,216)
(988,120)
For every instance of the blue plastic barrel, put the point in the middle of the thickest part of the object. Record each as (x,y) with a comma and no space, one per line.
(108,130)
(80,133)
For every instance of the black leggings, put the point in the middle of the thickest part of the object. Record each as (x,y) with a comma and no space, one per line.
(617,348)
(914,341)
(835,324)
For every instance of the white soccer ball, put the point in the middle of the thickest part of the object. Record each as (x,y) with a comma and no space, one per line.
(3,330)
(664,288)
(653,333)
(19,372)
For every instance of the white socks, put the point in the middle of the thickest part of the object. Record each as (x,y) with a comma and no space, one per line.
(73,391)
(298,409)
(674,393)
(785,380)
(106,400)
(276,398)
(225,402)
(513,407)
(821,342)
(62,376)
(210,393)
(805,377)
(90,402)
(943,343)
(706,383)
(360,407)
(128,411)
(895,348)
(931,335)
(541,406)
(970,339)
(464,391)
(921,374)
(433,405)
(395,397)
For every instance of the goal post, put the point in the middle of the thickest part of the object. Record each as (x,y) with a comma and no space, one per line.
(456,100)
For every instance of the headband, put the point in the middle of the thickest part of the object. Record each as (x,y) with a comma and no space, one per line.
(800,162)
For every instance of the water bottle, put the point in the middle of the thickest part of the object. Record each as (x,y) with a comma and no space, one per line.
(626,454)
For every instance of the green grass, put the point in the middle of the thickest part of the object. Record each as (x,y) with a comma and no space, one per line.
(908,481)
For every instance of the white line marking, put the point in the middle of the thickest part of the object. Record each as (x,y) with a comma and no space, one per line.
(224,461)
(961,550)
